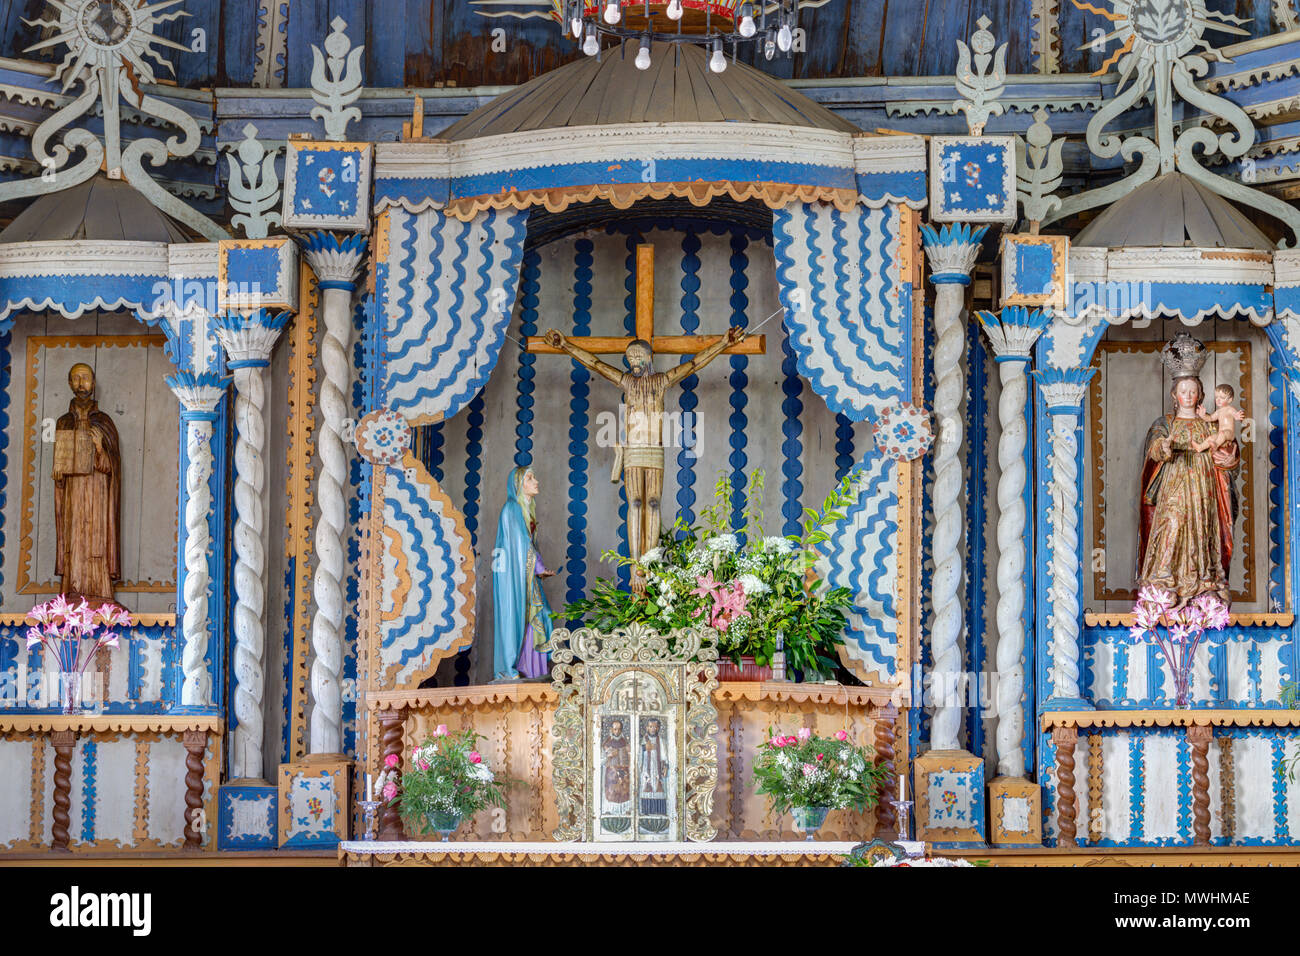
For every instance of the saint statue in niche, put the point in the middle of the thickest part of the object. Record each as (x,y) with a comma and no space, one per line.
(87,477)
(521,623)
(1189,498)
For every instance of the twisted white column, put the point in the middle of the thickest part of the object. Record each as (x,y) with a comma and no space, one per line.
(248,342)
(199,396)
(1012,337)
(335,262)
(952,256)
(1064,393)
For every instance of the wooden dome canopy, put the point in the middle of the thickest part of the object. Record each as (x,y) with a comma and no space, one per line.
(98,209)
(1173,211)
(679,87)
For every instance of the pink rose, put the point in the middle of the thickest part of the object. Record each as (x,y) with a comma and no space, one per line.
(392,760)
(441,731)
(790,741)
(841,735)
(776,741)
(821,756)
(424,765)
(804,733)
(390,790)
(474,757)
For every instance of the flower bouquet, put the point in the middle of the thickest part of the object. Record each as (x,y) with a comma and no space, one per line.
(1177,630)
(750,588)
(74,634)
(804,772)
(446,782)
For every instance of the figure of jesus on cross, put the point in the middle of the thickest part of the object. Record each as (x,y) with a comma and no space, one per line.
(639,461)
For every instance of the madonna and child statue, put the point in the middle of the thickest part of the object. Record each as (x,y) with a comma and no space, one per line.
(1188,492)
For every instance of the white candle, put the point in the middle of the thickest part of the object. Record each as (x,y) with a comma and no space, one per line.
(370,787)
(902,787)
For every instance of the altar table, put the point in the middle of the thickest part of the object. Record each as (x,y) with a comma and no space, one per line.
(516,718)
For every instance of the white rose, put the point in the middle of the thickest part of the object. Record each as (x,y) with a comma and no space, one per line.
(752,584)
(653,556)
(777,545)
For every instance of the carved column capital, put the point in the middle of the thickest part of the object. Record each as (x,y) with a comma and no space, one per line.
(1012,333)
(335,259)
(1064,389)
(199,394)
(250,339)
(952,251)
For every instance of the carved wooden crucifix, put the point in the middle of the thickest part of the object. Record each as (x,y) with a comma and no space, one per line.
(640,459)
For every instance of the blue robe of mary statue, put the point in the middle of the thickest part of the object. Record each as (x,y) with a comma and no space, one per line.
(521,623)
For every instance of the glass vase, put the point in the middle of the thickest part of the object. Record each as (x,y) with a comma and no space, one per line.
(809,820)
(444,824)
(70,693)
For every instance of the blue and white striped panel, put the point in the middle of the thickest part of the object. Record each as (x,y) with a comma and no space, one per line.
(448,297)
(862,555)
(426,608)
(848,314)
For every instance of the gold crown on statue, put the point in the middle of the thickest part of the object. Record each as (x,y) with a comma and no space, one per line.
(1184,356)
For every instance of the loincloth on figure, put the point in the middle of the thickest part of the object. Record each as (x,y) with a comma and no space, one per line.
(636,456)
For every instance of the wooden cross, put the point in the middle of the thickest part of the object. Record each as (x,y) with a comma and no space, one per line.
(645,326)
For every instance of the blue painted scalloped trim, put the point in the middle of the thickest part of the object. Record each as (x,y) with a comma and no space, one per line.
(575,563)
(529,288)
(792,446)
(687,400)
(738,380)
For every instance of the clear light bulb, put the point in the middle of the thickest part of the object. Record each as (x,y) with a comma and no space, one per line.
(674,9)
(784,38)
(591,46)
(747,27)
(612,13)
(717,62)
(769,45)
(576,26)
(643,56)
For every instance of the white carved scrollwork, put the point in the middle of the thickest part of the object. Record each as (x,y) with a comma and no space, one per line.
(254,185)
(111,51)
(336,81)
(981,86)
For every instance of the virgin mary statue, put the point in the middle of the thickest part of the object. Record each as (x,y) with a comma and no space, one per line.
(1189,500)
(521,625)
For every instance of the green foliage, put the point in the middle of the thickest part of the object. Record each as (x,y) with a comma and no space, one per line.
(812,771)
(445,777)
(703,577)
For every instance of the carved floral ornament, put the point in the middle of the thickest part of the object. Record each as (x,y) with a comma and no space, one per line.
(903,432)
(382,437)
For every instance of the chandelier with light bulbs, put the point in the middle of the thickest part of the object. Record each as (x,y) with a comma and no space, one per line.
(716,26)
